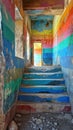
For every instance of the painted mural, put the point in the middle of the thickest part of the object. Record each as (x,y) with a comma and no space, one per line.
(14,65)
(42,32)
(63,47)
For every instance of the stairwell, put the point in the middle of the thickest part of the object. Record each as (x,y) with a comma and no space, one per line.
(43,90)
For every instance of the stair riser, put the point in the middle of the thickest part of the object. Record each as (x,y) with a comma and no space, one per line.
(33,70)
(42,76)
(42,107)
(44,90)
(36,99)
(43,82)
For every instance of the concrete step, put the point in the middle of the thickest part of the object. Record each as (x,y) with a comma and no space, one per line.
(43,89)
(58,98)
(43,81)
(25,108)
(56,75)
(43,69)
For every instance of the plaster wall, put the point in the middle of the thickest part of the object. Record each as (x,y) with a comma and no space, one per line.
(11,66)
(63,47)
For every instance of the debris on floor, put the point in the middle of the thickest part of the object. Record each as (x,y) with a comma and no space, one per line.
(13,126)
(44,121)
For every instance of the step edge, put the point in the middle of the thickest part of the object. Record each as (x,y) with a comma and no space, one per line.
(45,73)
(61,79)
(41,86)
(45,94)
(32,103)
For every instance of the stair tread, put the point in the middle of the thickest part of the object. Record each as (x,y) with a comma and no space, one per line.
(33,86)
(32,103)
(43,79)
(43,69)
(27,107)
(45,89)
(44,94)
(62,98)
(50,66)
(60,72)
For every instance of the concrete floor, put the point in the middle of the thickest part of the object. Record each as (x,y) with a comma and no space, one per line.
(44,121)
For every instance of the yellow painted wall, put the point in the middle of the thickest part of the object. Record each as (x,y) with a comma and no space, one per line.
(56,23)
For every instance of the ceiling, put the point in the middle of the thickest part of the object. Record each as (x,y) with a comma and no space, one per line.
(42,4)
(42,9)
(42,17)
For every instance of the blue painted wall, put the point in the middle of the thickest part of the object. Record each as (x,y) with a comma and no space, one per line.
(63,47)
(13,66)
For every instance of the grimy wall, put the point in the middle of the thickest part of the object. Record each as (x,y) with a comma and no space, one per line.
(11,67)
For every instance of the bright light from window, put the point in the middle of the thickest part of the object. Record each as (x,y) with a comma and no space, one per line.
(28,46)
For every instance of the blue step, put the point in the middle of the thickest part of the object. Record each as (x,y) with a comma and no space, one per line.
(43,89)
(44,98)
(43,81)
(43,69)
(43,75)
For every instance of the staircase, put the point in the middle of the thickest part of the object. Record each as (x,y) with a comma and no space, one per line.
(43,90)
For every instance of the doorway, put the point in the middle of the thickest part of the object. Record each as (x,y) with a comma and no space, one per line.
(37,54)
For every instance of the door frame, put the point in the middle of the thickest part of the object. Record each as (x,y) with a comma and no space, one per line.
(33,52)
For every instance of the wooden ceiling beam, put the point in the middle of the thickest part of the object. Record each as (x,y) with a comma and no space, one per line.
(39,4)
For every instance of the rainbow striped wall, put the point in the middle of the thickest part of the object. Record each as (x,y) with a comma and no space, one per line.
(13,65)
(42,32)
(2,68)
(63,46)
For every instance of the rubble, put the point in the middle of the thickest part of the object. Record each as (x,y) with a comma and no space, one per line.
(46,121)
(13,126)
(72,121)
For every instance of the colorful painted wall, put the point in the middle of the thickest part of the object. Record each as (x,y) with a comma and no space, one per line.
(13,66)
(2,68)
(42,32)
(63,46)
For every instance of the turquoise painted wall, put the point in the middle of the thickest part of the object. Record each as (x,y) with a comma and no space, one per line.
(13,66)
(63,47)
